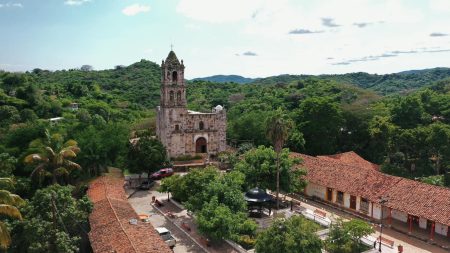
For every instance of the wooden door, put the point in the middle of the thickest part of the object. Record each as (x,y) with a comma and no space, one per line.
(201,145)
(329,196)
(353,202)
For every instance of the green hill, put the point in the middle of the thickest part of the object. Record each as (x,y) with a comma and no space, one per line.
(225,79)
(402,82)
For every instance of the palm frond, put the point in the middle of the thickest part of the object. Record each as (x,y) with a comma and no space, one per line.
(5,238)
(72,165)
(67,153)
(50,151)
(10,211)
(34,158)
(70,143)
(5,197)
(6,183)
(17,200)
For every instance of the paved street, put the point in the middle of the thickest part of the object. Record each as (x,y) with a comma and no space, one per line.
(141,203)
(190,241)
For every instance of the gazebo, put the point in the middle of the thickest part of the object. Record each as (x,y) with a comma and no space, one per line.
(257,199)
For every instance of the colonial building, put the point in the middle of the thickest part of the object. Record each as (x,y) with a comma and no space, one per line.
(348,181)
(182,131)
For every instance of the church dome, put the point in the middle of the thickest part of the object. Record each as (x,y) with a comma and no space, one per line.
(218,108)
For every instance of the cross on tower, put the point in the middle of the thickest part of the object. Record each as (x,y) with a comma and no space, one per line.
(171,47)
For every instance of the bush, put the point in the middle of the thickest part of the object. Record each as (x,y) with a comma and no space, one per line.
(247,242)
(186,158)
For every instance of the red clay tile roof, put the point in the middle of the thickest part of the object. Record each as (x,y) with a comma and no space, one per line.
(420,199)
(364,182)
(109,220)
(351,158)
(415,198)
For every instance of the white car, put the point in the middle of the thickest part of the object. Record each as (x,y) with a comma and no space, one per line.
(166,236)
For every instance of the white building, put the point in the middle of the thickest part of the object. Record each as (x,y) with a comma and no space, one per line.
(352,183)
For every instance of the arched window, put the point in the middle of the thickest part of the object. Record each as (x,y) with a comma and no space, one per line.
(171,96)
(177,127)
(179,96)
(201,125)
(174,76)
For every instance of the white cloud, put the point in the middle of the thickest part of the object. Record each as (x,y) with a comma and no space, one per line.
(218,11)
(17,5)
(440,5)
(76,2)
(135,9)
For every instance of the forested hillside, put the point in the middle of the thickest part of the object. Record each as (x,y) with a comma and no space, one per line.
(225,79)
(402,82)
(409,134)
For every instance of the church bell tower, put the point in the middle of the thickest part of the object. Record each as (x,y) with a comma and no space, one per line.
(173,88)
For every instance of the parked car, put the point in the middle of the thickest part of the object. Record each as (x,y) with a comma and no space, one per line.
(162,173)
(146,185)
(166,236)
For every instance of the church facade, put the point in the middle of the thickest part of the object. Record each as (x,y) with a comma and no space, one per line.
(182,131)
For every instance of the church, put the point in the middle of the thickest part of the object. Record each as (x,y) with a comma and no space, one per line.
(182,131)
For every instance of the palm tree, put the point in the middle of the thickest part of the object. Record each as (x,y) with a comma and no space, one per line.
(277,131)
(8,207)
(53,157)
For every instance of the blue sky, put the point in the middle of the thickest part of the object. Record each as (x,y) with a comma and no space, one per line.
(253,38)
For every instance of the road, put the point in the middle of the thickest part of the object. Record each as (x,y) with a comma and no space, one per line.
(140,201)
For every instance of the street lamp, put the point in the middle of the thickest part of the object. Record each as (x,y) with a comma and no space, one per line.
(382,201)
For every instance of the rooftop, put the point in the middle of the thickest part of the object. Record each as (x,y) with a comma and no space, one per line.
(359,178)
(111,230)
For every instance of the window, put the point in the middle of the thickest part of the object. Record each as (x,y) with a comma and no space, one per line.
(171,96)
(177,128)
(179,96)
(201,125)
(364,205)
(174,76)
(340,197)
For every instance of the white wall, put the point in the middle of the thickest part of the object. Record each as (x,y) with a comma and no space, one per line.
(422,223)
(401,216)
(376,211)
(315,190)
(441,229)
(347,200)
(358,202)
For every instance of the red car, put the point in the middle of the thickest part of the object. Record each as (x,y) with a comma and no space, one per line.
(167,172)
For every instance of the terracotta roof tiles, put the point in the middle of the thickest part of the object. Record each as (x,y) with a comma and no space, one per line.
(359,178)
(111,230)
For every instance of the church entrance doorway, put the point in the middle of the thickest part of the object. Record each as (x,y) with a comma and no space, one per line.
(200,145)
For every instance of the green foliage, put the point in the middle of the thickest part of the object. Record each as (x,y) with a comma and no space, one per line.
(217,220)
(146,155)
(291,236)
(259,167)
(321,121)
(9,115)
(227,189)
(216,199)
(187,158)
(434,180)
(42,232)
(345,237)
(7,165)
